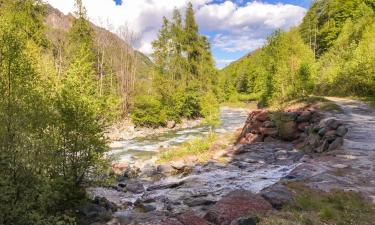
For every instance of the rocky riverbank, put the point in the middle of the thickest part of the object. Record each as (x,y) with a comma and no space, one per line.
(126,130)
(250,184)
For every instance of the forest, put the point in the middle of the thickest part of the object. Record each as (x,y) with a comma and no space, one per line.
(61,89)
(330,53)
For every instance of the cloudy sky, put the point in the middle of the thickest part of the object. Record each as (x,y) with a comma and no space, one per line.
(234,27)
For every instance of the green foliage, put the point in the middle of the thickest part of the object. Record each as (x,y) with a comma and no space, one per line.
(184,71)
(210,109)
(51,127)
(281,71)
(148,111)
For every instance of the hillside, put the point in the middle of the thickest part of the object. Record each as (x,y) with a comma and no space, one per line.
(330,53)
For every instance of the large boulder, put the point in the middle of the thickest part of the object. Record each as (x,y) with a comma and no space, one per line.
(235,205)
(190,218)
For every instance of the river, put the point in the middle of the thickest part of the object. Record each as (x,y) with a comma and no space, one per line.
(145,148)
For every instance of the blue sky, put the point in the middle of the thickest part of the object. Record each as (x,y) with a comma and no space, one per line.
(234,28)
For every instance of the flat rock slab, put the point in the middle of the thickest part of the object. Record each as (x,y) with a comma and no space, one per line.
(235,205)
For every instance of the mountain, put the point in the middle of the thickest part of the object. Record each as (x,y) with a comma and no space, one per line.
(58,24)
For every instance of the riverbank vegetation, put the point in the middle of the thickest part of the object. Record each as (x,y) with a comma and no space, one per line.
(51,121)
(311,206)
(330,53)
(199,150)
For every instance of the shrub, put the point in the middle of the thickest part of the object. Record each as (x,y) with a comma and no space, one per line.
(148,111)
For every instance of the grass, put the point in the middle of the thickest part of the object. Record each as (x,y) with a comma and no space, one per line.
(314,207)
(202,148)
(240,104)
(318,102)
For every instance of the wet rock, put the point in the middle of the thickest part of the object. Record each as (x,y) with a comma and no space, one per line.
(249,220)
(235,205)
(135,187)
(165,186)
(192,202)
(190,218)
(336,144)
(278,195)
(341,131)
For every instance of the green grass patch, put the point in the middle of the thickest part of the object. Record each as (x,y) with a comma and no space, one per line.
(202,148)
(314,207)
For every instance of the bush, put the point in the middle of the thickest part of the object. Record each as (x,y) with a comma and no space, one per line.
(148,111)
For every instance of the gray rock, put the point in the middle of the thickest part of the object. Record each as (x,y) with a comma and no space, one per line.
(324,147)
(304,117)
(278,195)
(251,220)
(341,131)
(125,217)
(165,186)
(192,202)
(269,124)
(330,135)
(336,144)
(135,187)
(178,165)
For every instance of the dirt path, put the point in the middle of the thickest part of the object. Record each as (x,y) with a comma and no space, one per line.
(353,166)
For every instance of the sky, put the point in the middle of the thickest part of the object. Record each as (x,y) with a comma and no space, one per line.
(234,28)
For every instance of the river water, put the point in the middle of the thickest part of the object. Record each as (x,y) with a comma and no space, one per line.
(145,148)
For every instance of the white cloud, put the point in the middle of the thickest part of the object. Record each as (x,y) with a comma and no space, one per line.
(235,27)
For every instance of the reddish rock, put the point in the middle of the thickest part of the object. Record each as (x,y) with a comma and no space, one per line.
(253,138)
(189,218)
(237,204)
(262,116)
(305,116)
(303,126)
(268,131)
(288,131)
(119,168)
